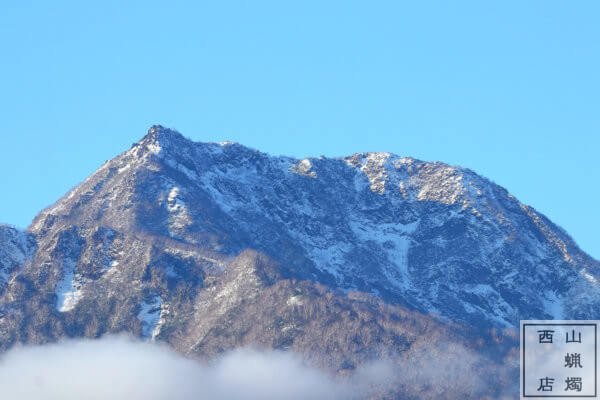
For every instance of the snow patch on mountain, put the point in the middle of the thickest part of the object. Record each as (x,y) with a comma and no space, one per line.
(182,168)
(393,240)
(374,166)
(69,289)
(179,217)
(154,148)
(304,167)
(151,315)
(554,305)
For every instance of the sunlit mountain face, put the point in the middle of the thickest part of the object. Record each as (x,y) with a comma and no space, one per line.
(214,246)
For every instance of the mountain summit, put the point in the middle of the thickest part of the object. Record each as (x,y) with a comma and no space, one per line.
(209,246)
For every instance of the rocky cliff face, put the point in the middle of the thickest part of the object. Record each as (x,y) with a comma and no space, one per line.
(15,248)
(210,246)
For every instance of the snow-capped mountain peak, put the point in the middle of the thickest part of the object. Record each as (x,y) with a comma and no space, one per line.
(438,238)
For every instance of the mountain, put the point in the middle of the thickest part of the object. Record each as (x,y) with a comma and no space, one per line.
(15,248)
(211,246)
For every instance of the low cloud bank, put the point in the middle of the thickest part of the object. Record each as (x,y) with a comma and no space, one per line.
(121,368)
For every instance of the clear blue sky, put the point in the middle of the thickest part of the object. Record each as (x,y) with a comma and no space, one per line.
(510,89)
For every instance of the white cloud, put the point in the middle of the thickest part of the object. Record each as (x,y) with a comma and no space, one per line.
(123,369)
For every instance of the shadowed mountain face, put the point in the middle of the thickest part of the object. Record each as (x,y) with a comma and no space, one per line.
(212,246)
(15,248)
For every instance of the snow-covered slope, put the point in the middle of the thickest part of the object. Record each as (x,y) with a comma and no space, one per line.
(437,238)
(211,246)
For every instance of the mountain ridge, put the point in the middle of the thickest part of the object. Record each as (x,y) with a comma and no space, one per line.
(213,246)
(433,182)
